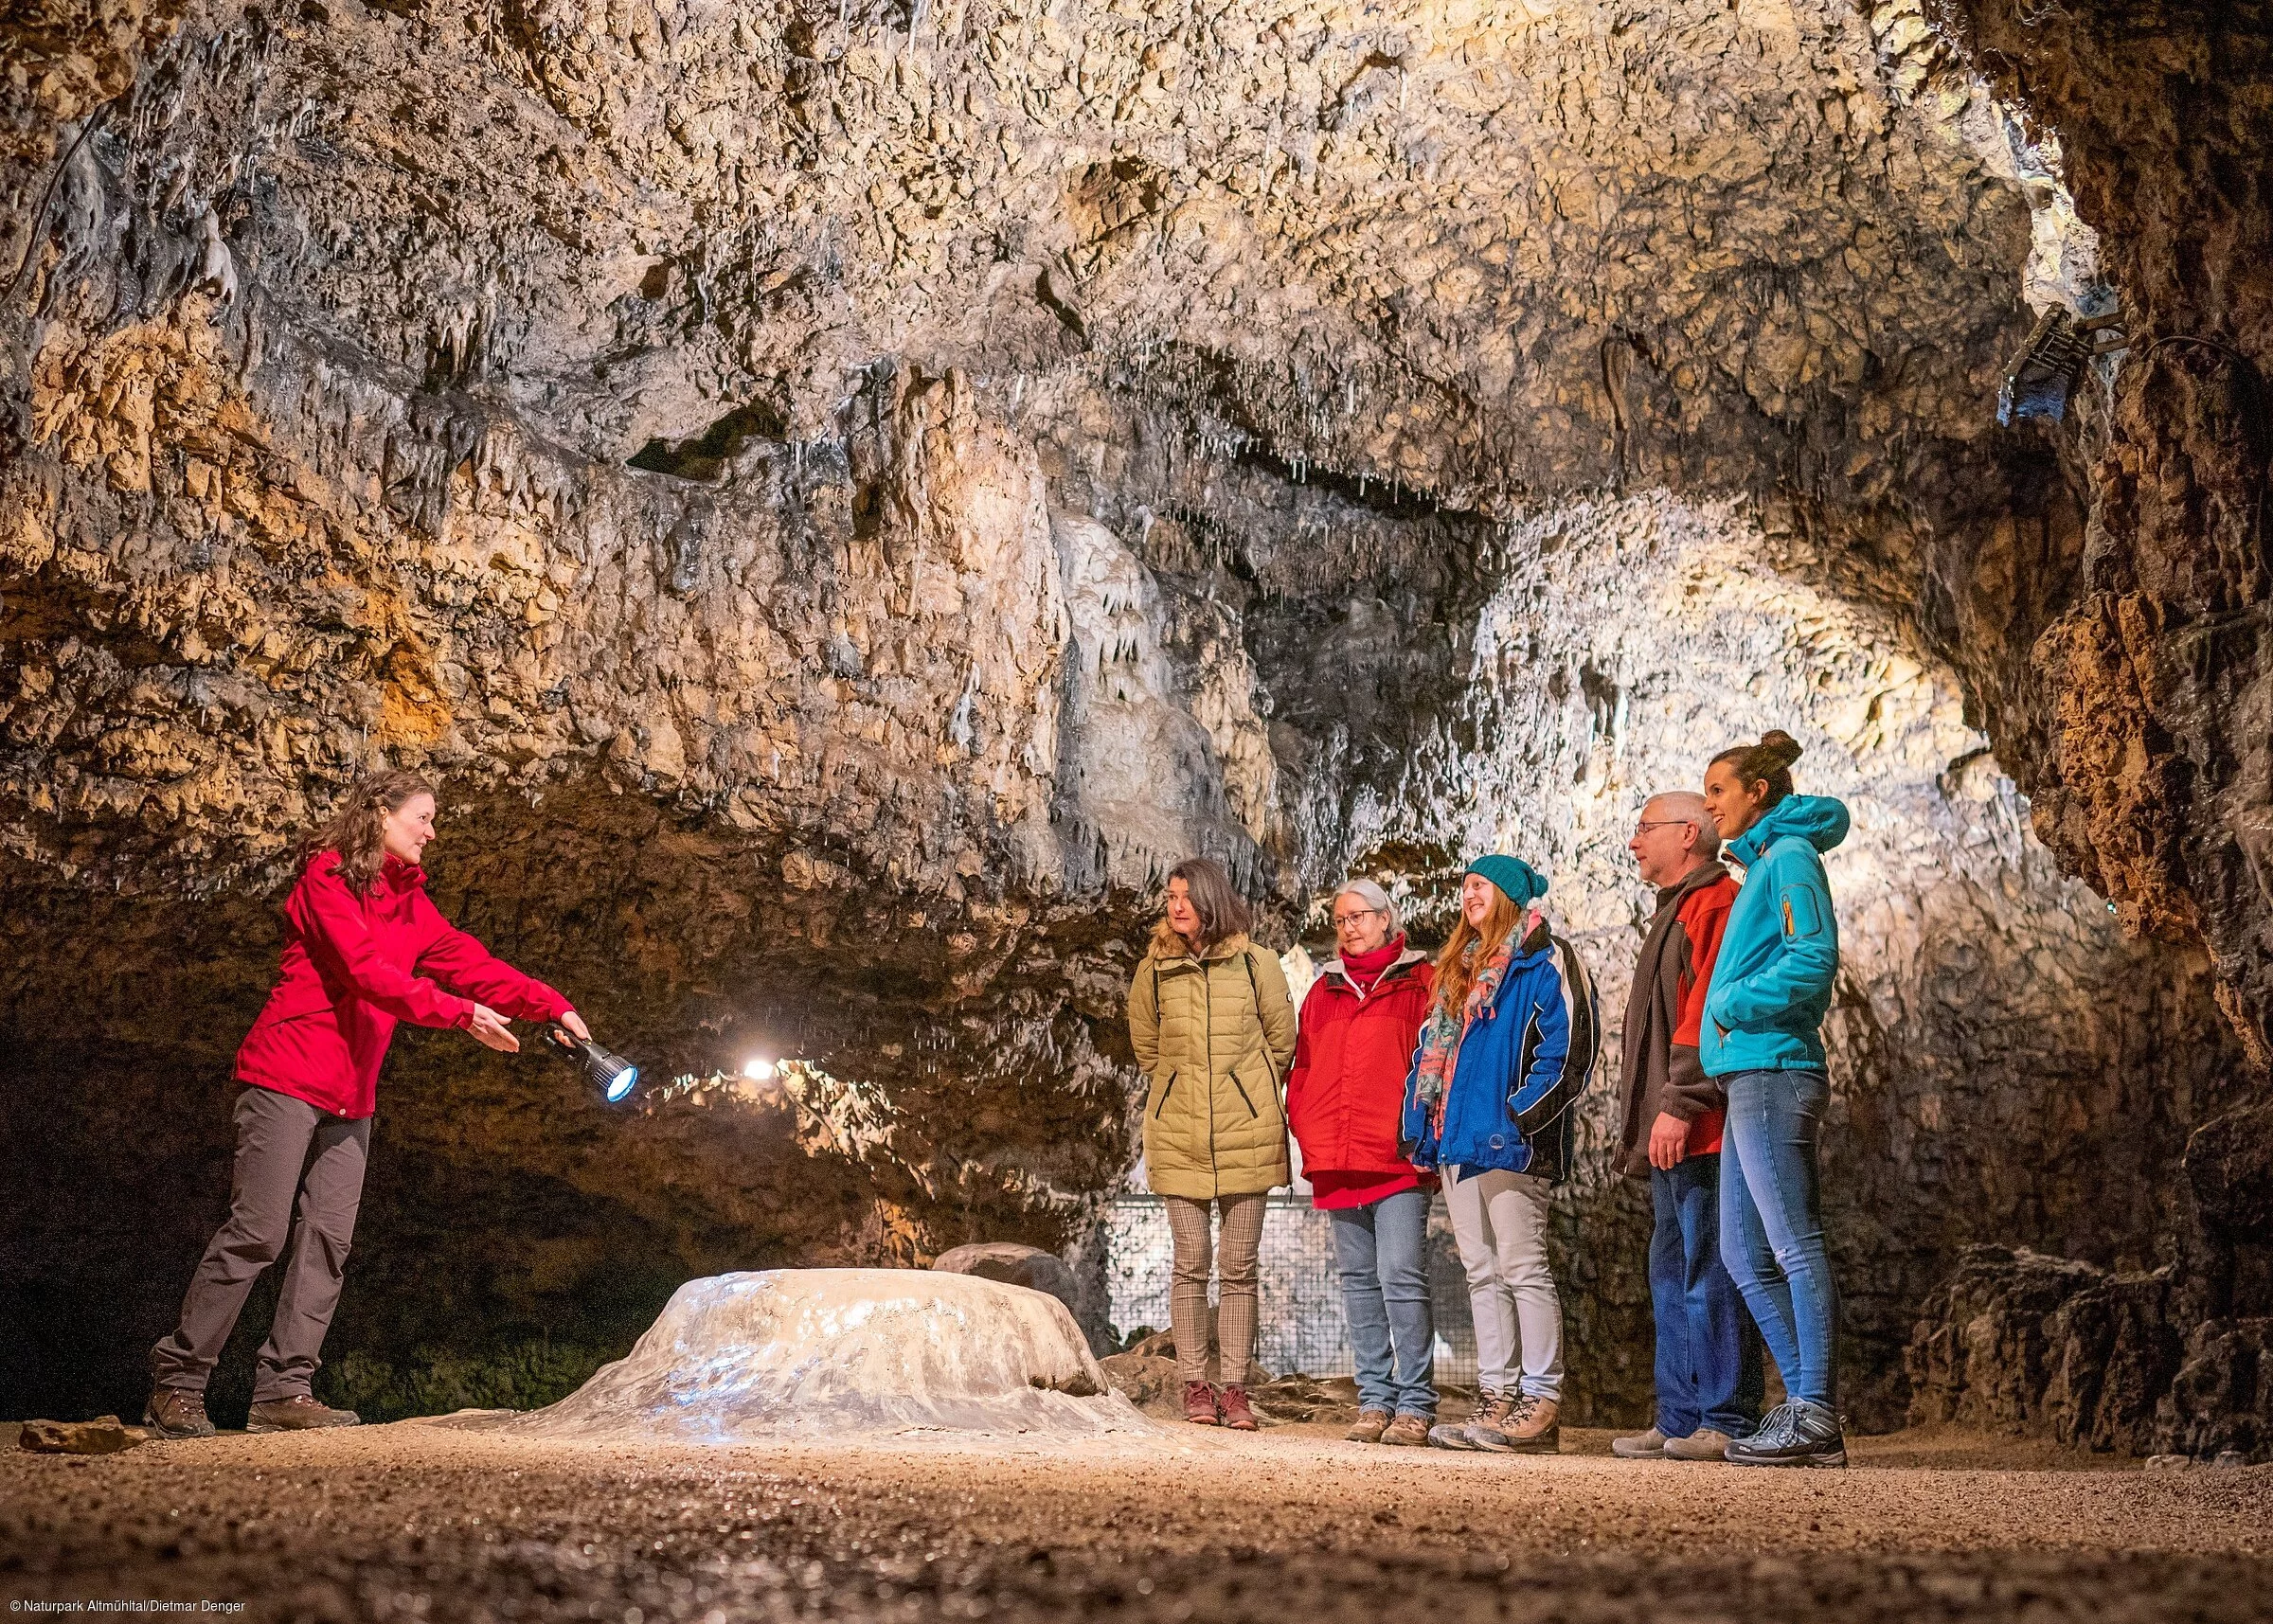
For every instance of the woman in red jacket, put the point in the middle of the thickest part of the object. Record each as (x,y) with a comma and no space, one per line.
(1360,1024)
(363,949)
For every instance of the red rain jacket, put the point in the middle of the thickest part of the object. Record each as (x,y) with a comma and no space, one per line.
(1346,1089)
(351,970)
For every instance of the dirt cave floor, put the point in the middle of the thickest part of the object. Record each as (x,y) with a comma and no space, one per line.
(416,1522)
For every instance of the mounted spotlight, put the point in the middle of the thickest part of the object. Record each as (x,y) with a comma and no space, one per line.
(614,1076)
(2050,364)
(758,1069)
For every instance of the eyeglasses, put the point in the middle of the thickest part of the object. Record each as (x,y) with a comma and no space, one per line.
(1663,823)
(1342,920)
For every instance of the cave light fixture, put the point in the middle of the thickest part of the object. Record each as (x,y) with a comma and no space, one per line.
(758,1069)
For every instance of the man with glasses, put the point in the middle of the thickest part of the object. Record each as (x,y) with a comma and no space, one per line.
(1707,1364)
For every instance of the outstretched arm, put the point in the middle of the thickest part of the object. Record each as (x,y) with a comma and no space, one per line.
(330,921)
(463,963)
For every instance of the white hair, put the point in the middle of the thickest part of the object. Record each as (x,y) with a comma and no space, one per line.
(1373,895)
(1687,806)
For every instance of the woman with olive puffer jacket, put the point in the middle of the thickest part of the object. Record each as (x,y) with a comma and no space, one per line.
(1213,1030)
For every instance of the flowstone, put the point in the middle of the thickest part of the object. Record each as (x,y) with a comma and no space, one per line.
(784,1353)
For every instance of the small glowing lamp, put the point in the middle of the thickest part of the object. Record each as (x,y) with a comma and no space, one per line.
(758,1069)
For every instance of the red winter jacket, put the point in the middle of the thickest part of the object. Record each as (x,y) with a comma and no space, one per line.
(350,971)
(1346,1088)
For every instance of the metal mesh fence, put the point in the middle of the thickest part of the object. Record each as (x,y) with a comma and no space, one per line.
(1301,1326)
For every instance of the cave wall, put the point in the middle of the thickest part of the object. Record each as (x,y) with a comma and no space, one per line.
(845,497)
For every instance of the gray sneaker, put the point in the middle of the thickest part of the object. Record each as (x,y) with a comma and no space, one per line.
(176,1412)
(297,1413)
(1794,1433)
(1639,1446)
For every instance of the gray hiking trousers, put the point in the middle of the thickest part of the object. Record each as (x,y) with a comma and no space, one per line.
(285,1147)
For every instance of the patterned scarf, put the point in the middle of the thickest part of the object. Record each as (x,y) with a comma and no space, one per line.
(1441,1036)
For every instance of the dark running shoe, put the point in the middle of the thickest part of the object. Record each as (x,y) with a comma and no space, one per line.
(1794,1433)
(297,1413)
(176,1412)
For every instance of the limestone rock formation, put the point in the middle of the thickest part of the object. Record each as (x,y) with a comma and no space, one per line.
(834,1354)
(843,496)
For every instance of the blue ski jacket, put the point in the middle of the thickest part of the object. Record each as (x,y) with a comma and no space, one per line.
(1515,1074)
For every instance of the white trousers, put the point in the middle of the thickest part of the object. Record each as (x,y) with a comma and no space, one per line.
(1500,1222)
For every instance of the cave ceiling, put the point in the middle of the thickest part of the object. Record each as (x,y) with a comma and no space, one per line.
(845,494)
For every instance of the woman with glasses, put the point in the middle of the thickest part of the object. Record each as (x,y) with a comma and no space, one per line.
(1360,1022)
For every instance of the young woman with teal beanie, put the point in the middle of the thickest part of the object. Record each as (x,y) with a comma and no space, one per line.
(1762,1042)
(1487,1103)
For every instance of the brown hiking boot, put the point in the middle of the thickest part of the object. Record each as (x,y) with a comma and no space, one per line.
(1531,1427)
(297,1413)
(1706,1443)
(1199,1405)
(1406,1432)
(1368,1426)
(176,1412)
(1238,1415)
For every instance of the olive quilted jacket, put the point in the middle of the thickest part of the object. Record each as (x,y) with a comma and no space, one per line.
(1213,1034)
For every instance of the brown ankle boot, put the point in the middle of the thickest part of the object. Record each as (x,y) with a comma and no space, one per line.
(1368,1426)
(177,1412)
(1532,1429)
(297,1413)
(1238,1415)
(1199,1405)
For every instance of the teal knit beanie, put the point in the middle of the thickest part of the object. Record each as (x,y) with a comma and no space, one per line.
(1515,878)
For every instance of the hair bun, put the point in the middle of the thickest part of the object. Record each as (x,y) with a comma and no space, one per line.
(1779,747)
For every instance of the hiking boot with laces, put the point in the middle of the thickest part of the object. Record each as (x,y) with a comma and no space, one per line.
(1238,1415)
(1406,1432)
(297,1413)
(1199,1405)
(1457,1435)
(1525,1425)
(1798,1433)
(177,1412)
(1368,1426)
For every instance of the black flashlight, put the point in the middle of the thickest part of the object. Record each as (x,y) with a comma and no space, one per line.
(614,1076)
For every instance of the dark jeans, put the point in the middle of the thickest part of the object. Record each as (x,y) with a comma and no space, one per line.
(285,1147)
(1381,1251)
(1709,1371)
(1772,1222)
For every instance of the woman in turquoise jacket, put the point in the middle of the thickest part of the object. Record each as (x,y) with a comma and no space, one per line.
(1762,1042)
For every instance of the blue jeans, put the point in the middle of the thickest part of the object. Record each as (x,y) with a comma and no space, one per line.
(1381,1251)
(1772,1222)
(1709,1371)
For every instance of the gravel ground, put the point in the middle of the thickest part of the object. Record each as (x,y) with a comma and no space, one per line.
(419,1522)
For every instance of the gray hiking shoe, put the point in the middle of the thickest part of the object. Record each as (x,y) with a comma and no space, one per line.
(1794,1433)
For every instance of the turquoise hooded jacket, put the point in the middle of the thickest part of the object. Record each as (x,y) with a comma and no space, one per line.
(1771,984)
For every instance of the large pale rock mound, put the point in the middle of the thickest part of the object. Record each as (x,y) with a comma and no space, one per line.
(787,1353)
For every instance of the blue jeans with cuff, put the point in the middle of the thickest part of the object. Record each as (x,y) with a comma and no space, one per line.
(1772,1222)
(1381,1251)
(1709,1372)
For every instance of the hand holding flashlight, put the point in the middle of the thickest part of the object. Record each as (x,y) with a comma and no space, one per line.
(575,1023)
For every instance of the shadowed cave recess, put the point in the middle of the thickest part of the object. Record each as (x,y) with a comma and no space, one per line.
(844,496)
